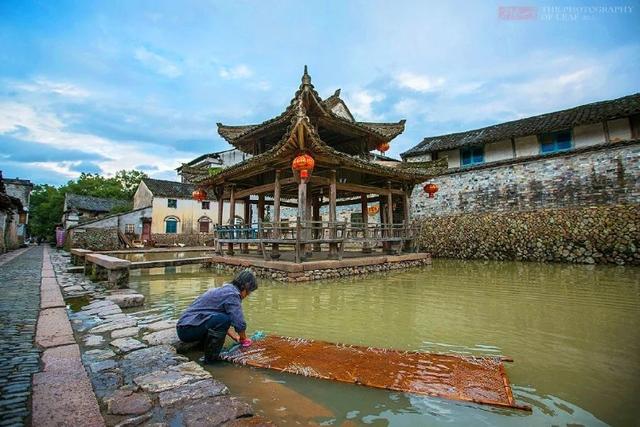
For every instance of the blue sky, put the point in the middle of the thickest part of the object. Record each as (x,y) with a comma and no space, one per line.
(99,86)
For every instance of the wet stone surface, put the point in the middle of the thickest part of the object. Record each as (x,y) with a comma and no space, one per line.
(136,371)
(19,307)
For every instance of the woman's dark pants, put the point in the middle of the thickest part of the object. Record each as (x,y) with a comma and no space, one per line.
(211,333)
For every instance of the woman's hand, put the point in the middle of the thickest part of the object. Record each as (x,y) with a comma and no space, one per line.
(233,335)
(246,342)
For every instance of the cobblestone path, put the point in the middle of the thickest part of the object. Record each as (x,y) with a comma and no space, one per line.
(19,357)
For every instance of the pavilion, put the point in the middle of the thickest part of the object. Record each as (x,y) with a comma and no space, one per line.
(314,154)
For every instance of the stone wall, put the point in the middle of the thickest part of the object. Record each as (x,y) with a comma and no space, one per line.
(96,239)
(190,239)
(599,175)
(598,234)
(580,206)
(325,273)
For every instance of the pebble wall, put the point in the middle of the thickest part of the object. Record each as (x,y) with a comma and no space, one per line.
(591,235)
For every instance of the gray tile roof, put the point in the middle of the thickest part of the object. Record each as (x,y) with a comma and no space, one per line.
(93,204)
(173,189)
(581,115)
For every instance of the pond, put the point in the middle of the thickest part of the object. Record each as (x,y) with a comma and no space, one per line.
(573,331)
(162,255)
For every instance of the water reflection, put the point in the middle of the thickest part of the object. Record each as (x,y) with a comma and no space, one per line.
(574,332)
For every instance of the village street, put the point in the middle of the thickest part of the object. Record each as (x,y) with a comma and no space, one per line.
(19,305)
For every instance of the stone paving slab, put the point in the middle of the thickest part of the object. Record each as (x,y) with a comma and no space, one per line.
(63,399)
(62,359)
(62,392)
(50,297)
(54,328)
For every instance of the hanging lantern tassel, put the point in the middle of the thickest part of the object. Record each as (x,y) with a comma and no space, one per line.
(304,165)
(431,189)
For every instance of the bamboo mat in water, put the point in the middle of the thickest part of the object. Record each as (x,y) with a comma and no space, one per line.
(467,378)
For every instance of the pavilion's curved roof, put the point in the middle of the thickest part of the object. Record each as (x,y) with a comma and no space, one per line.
(307,102)
(288,147)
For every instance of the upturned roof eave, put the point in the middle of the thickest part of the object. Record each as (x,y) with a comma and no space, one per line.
(319,146)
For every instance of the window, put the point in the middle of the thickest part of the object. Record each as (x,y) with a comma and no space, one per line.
(555,141)
(172,203)
(203,224)
(171,226)
(206,205)
(472,156)
(129,229)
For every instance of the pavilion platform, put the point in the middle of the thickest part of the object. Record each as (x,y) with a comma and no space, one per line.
(319,267)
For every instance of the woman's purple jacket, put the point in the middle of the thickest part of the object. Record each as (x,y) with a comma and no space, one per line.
(225,299)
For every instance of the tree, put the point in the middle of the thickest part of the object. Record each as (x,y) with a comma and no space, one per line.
(45,211)
(129,181)
(47,202)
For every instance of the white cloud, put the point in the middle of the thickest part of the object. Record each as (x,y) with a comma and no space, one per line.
(158,63)
(59,88)
(406,106)
(361,102)
(45,127)
(418,82)
(233,73)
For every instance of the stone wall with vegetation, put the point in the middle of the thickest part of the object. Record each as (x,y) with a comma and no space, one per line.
(96,239)
(589,235)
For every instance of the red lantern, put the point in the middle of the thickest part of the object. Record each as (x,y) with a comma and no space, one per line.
(304,164)
(383,147)
(199,195)
(431,190)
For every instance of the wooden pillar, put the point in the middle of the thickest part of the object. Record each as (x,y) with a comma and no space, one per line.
(275,251)
(244,247)
(260,208)
(309,218)
(366,248)
(318,223)
(390,215)
(232,214)
(333,247)
(408,244)
(384,223)
(220,209)
(300,229)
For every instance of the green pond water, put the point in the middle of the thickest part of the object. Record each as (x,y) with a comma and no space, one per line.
(161,256)
(574,332)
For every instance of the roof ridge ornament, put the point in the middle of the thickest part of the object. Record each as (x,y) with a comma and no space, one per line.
(306,78)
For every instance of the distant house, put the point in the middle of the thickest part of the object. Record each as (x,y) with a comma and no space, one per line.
(174,211)
(581,156)
(219,159)
(79,209)
(110,231)
(558,132)
(14,211)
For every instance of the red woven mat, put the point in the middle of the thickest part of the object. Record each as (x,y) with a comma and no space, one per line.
(467,378)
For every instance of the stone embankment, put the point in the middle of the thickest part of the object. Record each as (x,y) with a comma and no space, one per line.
(319,270)
(590,235)
(135,371)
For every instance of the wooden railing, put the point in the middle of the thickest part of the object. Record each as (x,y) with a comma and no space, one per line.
(314,231)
